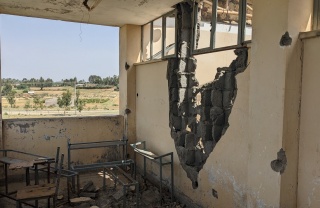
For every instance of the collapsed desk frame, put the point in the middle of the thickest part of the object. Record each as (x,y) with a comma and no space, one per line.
(104,165)
(156,159)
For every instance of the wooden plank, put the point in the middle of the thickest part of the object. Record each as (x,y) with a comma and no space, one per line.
(37,191)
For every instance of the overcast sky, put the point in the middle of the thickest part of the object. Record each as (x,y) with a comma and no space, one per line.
(32,47)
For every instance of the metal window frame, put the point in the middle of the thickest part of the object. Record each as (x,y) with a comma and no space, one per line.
(316,15)
(241,30)
(164,29)
(241,42)
(163,56)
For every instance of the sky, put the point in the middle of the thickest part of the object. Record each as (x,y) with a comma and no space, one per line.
(33,47)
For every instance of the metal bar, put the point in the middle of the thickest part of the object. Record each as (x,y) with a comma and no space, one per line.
(104,179)
(57,159)
(205,51)
(141,45)
(163,44)
(194,21)
(6,176)
(28,176)
(124,196)
(242,20)
(214,23)
(151,40)
(144,164)
(137,193)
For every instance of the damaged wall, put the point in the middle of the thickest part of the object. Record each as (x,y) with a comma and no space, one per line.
(226,168)
(43,135)
(196,129)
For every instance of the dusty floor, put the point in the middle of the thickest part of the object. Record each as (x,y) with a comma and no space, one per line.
(149,195)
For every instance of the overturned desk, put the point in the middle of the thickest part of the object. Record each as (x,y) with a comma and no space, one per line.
(158,159)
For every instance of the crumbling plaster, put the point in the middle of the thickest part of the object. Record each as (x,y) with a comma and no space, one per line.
(43,135)
(195,139)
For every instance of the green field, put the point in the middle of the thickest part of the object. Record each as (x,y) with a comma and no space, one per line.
(98,102)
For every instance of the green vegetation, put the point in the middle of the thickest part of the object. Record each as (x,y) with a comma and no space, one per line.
(65,100)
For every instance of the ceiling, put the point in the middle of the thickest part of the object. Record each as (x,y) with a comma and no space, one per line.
(101,12)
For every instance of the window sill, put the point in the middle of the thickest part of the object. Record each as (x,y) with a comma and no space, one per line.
(309,34)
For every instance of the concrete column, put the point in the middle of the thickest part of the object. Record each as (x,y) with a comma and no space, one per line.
(275,81)
(130,38)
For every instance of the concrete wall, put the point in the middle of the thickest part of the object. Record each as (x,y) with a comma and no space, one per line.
(43,135)
(309,153)
(226,169)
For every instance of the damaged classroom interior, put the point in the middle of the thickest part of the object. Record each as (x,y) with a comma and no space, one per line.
(218,109)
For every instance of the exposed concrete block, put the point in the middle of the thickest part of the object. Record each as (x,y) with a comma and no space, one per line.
(228,99)
(175,122)
(215,112)
(188,109)
(189,157)
(199,159)
(190,141)
(191,64)
(216,98)
(219,120)
(174,109)
(217,132)
(208,147)
(183,80)
(230,82)
(205,113)
(206,132)
(206,97)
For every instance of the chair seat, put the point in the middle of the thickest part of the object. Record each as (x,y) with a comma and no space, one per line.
(36,191)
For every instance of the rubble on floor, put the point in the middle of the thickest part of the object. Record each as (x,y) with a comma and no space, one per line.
(91,196)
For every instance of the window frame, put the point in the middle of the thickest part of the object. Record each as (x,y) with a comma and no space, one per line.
(241,30)
(163,43)
(241,42)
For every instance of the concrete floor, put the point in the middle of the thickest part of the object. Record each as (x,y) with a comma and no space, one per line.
(149,196)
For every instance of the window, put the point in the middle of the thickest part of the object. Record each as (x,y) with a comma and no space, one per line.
(218,25)
(222,23)
(159,37)
(55,68)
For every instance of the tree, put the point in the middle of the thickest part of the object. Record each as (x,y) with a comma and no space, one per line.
(27,105)
(94,79)
(11,98)
(78,102)
(65,100)
(41,80)
(7,89)
(36,102)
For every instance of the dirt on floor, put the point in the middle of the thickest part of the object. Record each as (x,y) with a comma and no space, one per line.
(92,194)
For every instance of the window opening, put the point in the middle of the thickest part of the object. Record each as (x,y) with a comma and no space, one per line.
(157,39)
(54,68)
(170,34)
(249,13)
(146,45)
